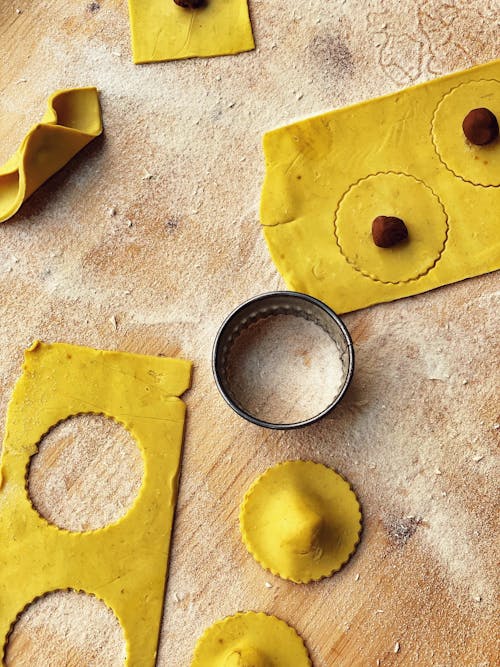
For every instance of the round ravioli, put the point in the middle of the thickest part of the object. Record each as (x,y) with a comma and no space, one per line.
(250,639)
(479,165)
(395,195)
(301,520)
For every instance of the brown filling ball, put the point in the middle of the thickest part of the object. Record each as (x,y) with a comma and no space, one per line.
(480,126)
(388,230)
(190,4)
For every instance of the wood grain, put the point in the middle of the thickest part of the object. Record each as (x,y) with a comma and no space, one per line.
(184,248)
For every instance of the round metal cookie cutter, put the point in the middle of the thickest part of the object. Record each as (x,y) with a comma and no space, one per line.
(280,303)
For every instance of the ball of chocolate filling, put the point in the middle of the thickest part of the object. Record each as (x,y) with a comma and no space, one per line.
(480,126)
(190,4)
(388,230)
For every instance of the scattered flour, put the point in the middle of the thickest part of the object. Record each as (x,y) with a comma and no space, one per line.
(194,252)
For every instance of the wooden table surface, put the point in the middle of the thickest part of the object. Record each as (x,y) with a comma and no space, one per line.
(181,163)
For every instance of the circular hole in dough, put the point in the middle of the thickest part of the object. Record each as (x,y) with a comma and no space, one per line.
(86,474)
(66,628)
(401,196)
(301,520)
(250,639)
(480,165)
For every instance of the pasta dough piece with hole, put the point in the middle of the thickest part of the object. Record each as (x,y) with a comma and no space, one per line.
(161,30)
(72,120)
(250,639)
(123,564)
(328,176)
(301,520)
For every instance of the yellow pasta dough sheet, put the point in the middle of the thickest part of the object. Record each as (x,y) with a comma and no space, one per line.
(250,639)
(301,521)
(403,155)
(72,120)
(123,564)
(161,30)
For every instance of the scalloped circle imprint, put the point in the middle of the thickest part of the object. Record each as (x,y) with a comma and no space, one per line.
(402,196)
(66,627)
(69,480)
(250,639)
(479,165)
(301,521)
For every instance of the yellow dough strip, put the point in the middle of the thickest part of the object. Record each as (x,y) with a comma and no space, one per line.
(72,120)
(123,564)
(325,177)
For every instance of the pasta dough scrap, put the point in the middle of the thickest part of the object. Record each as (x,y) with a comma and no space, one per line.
(250,639)
(327,178)
(123,564)
(72,120)
(301,520)
(161,30)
